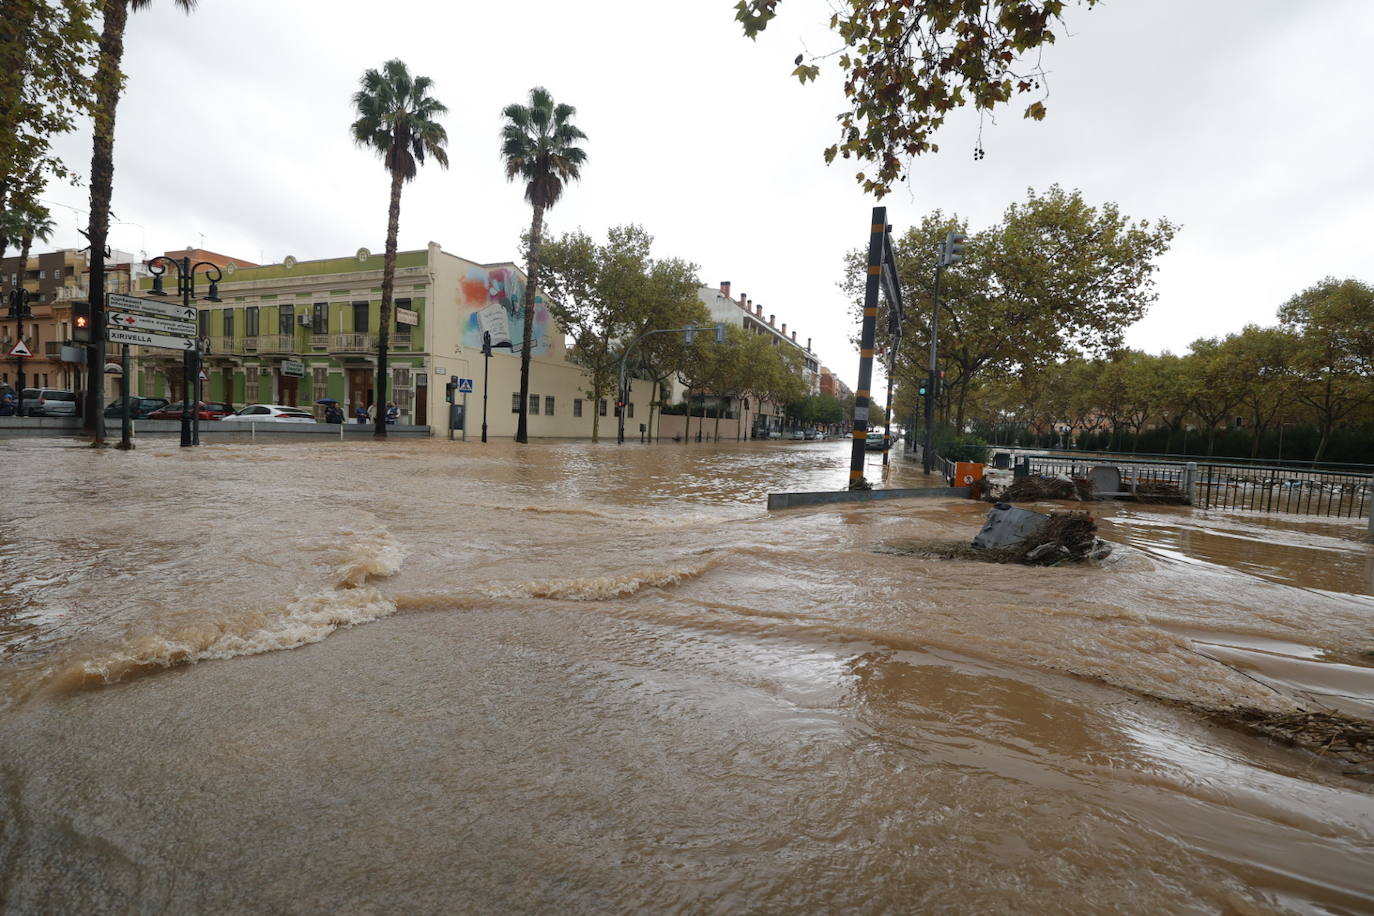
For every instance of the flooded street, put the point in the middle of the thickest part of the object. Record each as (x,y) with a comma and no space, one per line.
(425,676)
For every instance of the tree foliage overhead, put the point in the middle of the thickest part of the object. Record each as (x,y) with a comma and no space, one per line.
(909,63)
(47,53)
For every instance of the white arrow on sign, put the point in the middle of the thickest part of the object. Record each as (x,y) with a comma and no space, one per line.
(173,310)
(140,339)
(130,322)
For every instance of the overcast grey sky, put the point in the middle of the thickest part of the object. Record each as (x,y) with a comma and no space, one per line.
(1245,121)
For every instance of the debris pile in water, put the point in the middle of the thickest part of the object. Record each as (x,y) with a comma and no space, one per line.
(1025,537)
(1326,734)
(1158,491)
(1063,536)
(1030,489)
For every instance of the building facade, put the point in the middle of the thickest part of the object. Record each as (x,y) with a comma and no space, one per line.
(300,332)
(743,312)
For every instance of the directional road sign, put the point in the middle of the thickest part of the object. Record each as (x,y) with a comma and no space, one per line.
(465,386)
(140,339)
(154,307)
(130,321)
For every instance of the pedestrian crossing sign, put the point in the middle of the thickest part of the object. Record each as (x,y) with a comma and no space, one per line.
(465,386)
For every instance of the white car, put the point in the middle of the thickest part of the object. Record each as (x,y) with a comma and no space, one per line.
(270,413)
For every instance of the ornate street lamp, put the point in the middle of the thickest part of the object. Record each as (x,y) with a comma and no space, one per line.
(186,286)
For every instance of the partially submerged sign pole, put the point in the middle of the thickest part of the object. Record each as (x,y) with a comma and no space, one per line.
(877,245)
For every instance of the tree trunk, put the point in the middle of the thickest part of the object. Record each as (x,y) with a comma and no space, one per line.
(108,83)
(596,417)
(527,338)
(393,226)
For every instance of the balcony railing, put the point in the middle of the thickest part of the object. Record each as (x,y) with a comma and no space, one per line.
(352,343)
(52,349)
(277,343)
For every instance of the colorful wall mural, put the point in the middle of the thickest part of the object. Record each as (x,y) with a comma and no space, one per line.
(501,287)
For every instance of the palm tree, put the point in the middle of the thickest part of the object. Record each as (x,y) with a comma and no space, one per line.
(35,222)
(109,81)
(396,119)
(539,144)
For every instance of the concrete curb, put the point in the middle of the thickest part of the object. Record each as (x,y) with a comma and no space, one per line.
(795,500)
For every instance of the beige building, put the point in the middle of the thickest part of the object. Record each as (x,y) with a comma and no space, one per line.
(298,332)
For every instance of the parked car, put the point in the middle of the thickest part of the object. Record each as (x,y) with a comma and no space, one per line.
(138,407)
(209,410)
(270,413)
(796,434)
(811,434)
(48,402)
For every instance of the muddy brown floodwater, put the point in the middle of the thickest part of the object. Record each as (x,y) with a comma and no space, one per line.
(425,676)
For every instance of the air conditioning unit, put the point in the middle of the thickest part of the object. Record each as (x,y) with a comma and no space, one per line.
(303,321)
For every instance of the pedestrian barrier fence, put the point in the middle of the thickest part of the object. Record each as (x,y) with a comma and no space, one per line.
(1217,485)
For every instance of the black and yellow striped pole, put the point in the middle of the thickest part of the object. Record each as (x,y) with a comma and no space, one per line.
(877,243)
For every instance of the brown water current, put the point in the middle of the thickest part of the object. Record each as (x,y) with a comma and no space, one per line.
(423,676)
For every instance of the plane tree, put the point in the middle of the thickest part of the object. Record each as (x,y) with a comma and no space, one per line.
(1054,278)
(1333,362)
(908,63)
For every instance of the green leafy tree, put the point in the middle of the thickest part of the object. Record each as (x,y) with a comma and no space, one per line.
(909,63)
(605,296)
(539,146)
(1056,277)
(397,120)
(108,84)
(1333,363)
(47,52)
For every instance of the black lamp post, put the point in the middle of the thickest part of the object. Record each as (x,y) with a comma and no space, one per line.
(186,286)
(19,310)
(487,347)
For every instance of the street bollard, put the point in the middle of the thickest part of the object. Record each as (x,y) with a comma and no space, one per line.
(1190,482)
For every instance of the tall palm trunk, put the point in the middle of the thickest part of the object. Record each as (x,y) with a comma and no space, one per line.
(108,83)
(393,225)
(527,338)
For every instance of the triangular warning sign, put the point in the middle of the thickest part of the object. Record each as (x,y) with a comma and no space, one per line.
(203,376)
(20,349)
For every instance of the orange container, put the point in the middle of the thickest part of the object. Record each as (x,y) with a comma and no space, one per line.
(969,474)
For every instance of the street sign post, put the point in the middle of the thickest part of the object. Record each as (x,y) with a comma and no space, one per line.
(157,309)
(140,339)
(130,321)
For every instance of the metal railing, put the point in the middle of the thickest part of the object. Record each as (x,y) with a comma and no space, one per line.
(1218,485)
(1300,492)
(352,343)
(1133,472)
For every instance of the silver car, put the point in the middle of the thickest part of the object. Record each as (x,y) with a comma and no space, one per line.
(48,402)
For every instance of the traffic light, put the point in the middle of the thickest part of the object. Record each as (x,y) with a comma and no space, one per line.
(689,335)
(924,388)
(450,388)
(954,248)
(81,322)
